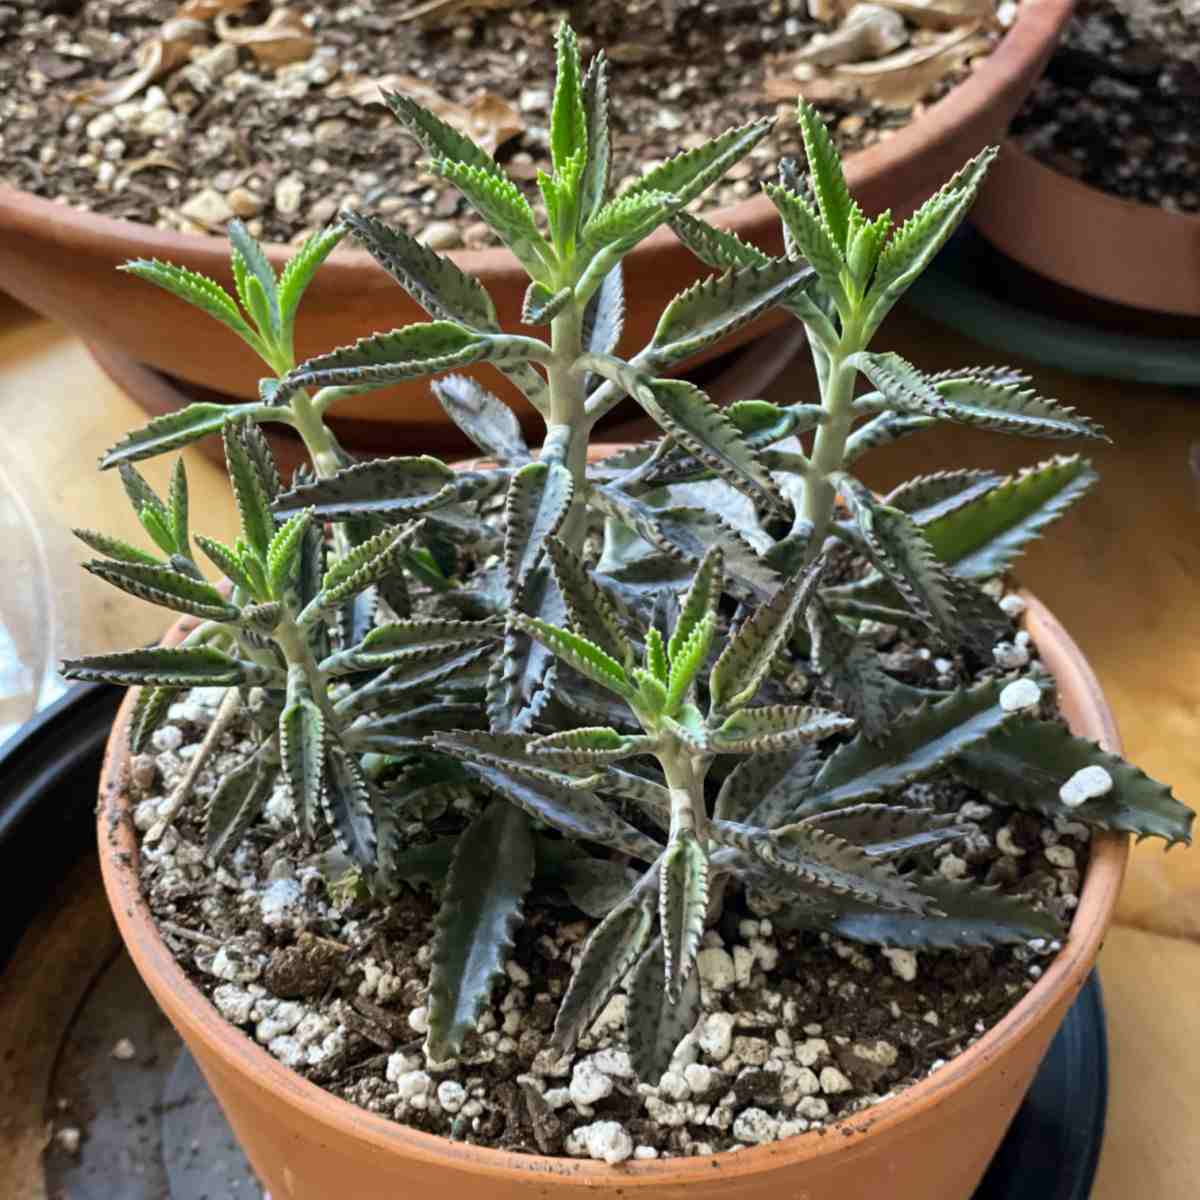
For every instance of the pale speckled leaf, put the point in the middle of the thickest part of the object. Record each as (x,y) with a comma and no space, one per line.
(161,585)
(539,496)
(302,746)
(349,811)
(149,712)
(774,728)
(480,910)
(654,1023)
(193,666)
(682,907)
(237,802)
(486,420)
(594,613)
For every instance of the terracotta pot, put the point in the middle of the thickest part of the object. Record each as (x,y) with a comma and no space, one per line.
(1138,255)
(62,262)
(933,1141)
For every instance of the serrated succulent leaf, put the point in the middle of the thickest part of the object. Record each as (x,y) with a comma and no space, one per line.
(825,171)
(969,914)
(749,653)
(810,238)
(928,497)
(901,386)
(766,789)
(434,281)
(597,885)
(690,417)
(976,399)
(194,666)
(539,497)
(655,1024)
(406,730)
(682,907)
(149,712)
(196,289)
(435,137)
(594,185)
(156,524)
(593,612)
(890,830)
(416,673)
(169,432)
(622,222)
(899,548)
(408,641)
(1027,762)
(487,421)
(524,675)
(393,488)
(384,359)
(300,269)
(717,248)
(915,747)
(255,481)
(115,548)
(568,115)
(177,508)
(687,661)
(883,430)
(774,728)
(480,910)
(541,305)
(283,554)
(604,316)
(346,800)
(302,747)
(574,812)
(692,172)
(985,537)
(854,674)
(613,947)
(700,600)
(715,307)
(235,805)
(584,656)
(161,585)
(374,561)
(227,562)
(502,205)
(255,261)
(588,746)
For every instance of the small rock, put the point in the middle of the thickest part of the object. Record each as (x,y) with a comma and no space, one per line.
(645,1153)
(233,1003)
(903,963)
(288,1050)
(1088,783)
(218,62)
(1021,693)
(207,207)
(756,1126)
(753,1051)
(833,1082)
(451,1096)
(143,772)
(675,1086)
(169,737)
(716,1034)
(333,129)
(1010,657)
(124,1051)
(399,1065)
(1006,843)
(603,1141)
(68,1139)
(418,1020)
(1061,856)
(440,235)
(413,1084)
(244,203)
(743,965)
(716,969)
(289,194)
(1012,604)
(808,1052)
(100,127)
(812,1108)
(588,1084)
(699,1078)
(952,867)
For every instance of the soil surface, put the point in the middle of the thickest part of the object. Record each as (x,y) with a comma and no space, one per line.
(799,1029)
(284,143)
(1120,103)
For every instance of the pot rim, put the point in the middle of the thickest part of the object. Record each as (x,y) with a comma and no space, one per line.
(1038,22)
(1067,973)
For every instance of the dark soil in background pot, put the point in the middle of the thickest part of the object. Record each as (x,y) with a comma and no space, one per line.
(799,1029)
(1119,106)
(284,129)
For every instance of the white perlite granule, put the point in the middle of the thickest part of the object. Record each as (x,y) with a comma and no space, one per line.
(1088,783)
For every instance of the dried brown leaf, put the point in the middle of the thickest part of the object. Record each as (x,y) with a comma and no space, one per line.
(204,10)
(487,118)
(283,39)
(153,59)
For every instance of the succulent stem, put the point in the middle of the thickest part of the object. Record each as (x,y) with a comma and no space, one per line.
(568,426)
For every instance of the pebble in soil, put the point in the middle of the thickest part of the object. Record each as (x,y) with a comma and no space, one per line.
(799,1030)
(284,147)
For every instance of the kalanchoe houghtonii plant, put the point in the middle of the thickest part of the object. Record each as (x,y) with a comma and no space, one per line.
(650,683)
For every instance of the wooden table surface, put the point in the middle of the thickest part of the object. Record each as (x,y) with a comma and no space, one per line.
(1122,572)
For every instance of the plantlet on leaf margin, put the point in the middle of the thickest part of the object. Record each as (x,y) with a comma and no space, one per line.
(549,675)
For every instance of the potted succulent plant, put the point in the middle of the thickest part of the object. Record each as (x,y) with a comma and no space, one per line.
(575,809)
(59,259)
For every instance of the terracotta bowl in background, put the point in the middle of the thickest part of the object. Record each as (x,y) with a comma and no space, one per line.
(1138,255)
(63,263)
(932,1141)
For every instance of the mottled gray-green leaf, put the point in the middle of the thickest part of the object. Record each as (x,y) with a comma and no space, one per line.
(890,830)
(655,1024)
(1025,764)
(985,537)
(810,238)
(255,481)
(715,307)
(593,612)
(597,885)
(690,173)
(765,789)
(195,666)
(682,907)
(594,185)
(348,807)
(524,674)
(437,138)
(486,420)
(928,497)
(915,747)
(302,747)
(541,305)
(432,280)
(688,415)
(774,728)
(749,653)
(479,914)
(613,947)
(149,711)
(237,802)
(539,496)
(604,317)
(161,585)
(394,488)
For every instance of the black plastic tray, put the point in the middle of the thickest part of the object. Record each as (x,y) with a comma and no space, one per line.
(48,776)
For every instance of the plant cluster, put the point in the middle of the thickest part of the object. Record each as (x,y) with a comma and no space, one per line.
(549,674)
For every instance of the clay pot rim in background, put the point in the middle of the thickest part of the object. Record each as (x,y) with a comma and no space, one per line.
(196,1016)
(1038,23)
(1139,255)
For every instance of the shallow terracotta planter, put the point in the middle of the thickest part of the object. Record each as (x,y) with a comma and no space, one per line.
(1133,254)
(62,262)
(931,1142)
